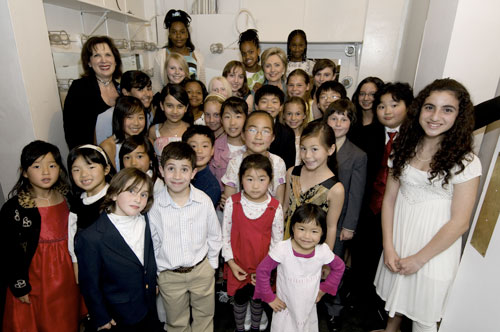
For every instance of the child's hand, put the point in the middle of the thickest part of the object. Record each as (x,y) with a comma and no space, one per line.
(346,234)
(107,326)
(25,299)
(320,295)
(222,202)
(410,265)
(238,272)
(391,260)
(325,271)
(253,278)
(277,305)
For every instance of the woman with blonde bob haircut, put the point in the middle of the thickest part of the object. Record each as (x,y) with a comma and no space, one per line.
(274,63)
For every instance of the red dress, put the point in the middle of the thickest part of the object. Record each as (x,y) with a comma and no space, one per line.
(250,239)
(55,297)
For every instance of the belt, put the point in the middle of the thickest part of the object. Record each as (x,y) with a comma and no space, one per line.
(188,269)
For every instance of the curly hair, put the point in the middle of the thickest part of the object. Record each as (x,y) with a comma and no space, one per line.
(456,143)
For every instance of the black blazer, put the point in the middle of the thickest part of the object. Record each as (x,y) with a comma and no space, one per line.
(284,144)
(352,162)
(114,283)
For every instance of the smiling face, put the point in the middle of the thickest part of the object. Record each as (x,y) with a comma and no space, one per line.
(274,69)
(145,95)
(195,93)
(89,176)
(102,61)
(134,124)
(175,73)
(297,48)
(391,113)
(322,76)
(326,98)
(367,95)
(297,86)
(313,152)
(294,115)
(258,134)
(202,146)
(131,202)
(439,112)
(174,110)
(178,34)
(270,104)
(138,159)
(306,236)
(43,173)
(177,175)
(212,115)
(340,124)
(236,78)
(250,55)
(255,183)
(233,122)
(218,87)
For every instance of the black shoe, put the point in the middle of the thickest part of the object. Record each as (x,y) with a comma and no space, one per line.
(334,324)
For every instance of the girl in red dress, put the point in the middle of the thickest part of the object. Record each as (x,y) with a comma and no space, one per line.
(42,293)
(253,222)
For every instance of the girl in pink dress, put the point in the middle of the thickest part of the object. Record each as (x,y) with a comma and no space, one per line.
(42,294)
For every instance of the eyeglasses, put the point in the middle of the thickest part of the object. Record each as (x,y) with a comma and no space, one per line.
(364,94)
(263,132)
(328,97)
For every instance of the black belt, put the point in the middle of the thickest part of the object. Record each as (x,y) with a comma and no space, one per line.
(188,269)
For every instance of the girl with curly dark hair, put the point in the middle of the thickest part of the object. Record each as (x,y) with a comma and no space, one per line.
(427,206)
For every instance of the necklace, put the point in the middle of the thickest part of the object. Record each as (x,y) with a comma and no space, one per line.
(423,160)
(46,199)
(104,83)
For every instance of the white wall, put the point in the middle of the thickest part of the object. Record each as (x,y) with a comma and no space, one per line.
(30,106)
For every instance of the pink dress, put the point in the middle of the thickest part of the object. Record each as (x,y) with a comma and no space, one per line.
(55,297)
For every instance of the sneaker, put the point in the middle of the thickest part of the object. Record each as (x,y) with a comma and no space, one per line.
(263,321)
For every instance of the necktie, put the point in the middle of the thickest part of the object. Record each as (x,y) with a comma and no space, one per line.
(381,179)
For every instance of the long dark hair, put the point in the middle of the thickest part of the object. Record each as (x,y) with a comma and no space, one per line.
(230,66)
(92,154)
(355,98)
(29,155)
(456,143)
(126,106)
(326,135)
(133,142)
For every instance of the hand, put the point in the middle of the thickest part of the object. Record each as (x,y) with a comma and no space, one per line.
(157,290)
(391,260)
(410,265)
(253,278)
(238,272)
(277,305)
(346,234)
(75,270)
(325,271)
(320,295)
(256,86)
(25,299)
(222,201)
(107,326)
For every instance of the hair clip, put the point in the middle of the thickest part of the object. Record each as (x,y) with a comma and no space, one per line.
(176,14)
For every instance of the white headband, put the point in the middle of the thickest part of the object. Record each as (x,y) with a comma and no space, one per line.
(97,148)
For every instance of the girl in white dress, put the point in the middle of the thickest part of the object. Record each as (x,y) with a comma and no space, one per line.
(427,205)
(299,261)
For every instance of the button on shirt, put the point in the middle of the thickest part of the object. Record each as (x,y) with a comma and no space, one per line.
(184,235)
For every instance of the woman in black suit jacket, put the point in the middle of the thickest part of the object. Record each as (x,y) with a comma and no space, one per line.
(117,268)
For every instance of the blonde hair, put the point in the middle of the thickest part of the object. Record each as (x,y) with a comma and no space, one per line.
(224,82)
(275,51)
(180,59)
(298,101)
(214,97)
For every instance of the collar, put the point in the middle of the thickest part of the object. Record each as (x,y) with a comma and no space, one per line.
(165,200)
(92,199)
(26,201)
(391,130)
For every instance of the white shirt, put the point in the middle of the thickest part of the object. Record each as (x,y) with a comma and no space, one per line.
(390,130)
(73,218)
(184,235)
(252,210)
(132,229)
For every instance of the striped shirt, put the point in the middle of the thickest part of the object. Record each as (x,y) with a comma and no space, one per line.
(183,236)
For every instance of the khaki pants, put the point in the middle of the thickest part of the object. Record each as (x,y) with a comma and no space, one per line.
(180,290)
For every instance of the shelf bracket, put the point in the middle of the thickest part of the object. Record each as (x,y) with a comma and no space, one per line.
(101,20)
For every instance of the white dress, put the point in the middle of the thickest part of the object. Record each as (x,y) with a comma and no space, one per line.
(421,209)
(297,285)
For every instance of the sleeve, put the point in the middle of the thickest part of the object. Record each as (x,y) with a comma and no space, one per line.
(227,251)
(89,273)
(230,178)
(277,228)
(332,282)
(472,169)
(263,289)
(156,230)
(356,192)
(214,238)
(158,80)
(279,170)
(72,227)
(200,66)
(277,252)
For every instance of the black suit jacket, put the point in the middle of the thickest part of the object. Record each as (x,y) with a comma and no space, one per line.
(284,144)
(352,163)
(114,283)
